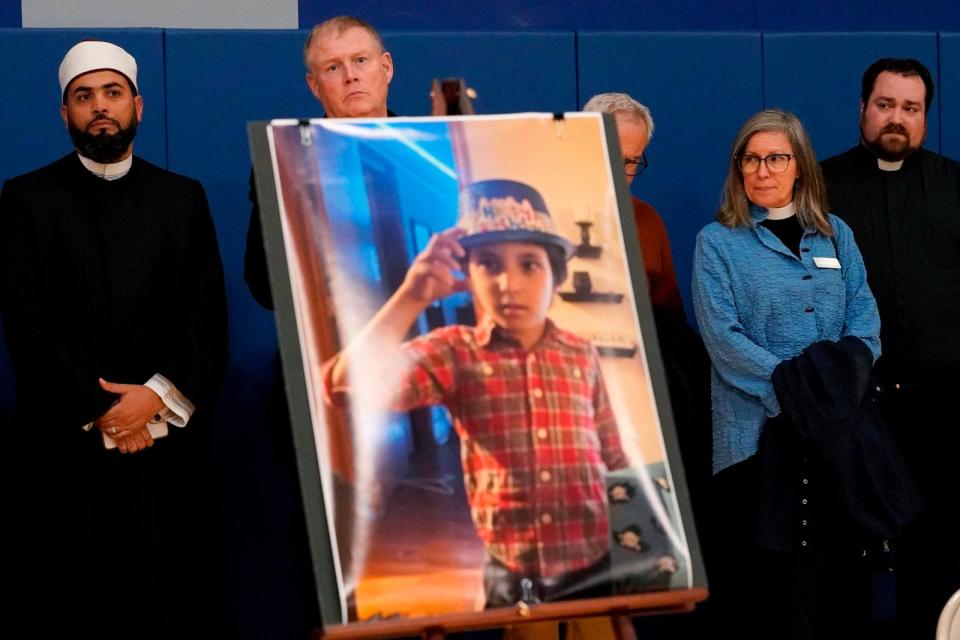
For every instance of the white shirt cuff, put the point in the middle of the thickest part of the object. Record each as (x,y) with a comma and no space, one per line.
(178,407)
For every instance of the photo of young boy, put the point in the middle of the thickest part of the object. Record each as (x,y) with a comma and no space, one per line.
(471,362)
(529,404)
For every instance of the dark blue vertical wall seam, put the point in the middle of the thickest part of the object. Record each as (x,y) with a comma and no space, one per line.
(166,100)
(939,94)
(763,72)
(576,69)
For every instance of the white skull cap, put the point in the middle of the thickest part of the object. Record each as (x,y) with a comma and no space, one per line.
(94,55)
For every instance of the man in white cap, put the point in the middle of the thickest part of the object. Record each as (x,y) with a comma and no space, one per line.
(113,302)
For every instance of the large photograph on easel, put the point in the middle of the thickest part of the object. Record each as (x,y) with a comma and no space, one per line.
(474,342)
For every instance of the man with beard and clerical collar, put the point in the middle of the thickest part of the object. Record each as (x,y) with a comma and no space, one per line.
(903,204)
(114,311)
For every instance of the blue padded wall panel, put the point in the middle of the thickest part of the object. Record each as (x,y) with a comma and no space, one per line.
(518,15)
(510,71)
(948,88)
(856,15)
(700,88)
(817,76)
(217,82)
(10,15)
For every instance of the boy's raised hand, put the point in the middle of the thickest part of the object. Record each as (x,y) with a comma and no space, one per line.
(432,274)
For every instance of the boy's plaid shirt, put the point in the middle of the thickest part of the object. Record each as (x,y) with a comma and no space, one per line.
(536,431)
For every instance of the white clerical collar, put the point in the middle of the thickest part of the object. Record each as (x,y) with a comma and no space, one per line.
(781,213)
(889,166)
(110,171)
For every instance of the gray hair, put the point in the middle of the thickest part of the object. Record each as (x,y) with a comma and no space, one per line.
(810,194)
(338,25)
(623,104)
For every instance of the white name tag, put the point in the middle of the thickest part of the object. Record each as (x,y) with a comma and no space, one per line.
(826,263)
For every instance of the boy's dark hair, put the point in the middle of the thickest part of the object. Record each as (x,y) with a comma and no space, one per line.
(558,263)
(555,256)
(905,67)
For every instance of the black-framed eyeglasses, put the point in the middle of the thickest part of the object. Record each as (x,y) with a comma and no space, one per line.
(635,166)
(776,162)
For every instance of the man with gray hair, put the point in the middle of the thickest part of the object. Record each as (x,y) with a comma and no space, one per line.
(634,130)
(349,73)
(348,70)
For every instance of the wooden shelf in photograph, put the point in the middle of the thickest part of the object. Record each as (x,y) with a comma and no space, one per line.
(588,251)
(616,351)
(591,296)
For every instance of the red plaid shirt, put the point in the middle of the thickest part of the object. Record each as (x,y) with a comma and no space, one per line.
(536,431)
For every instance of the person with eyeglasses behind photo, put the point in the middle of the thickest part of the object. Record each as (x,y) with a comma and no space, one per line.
(634,131)
(684,359)
(781,297)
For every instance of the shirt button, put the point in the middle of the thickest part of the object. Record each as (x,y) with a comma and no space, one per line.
(805,481)
(804,501)
(542,433)
(538,393)
(803,543)
(576,372)
(545,476)
(487,369)
(807,277)
(546,518)
(531,358)
(809,309)
(803,523)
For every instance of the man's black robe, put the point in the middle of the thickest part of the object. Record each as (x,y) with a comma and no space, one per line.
(120,280)
(907,226)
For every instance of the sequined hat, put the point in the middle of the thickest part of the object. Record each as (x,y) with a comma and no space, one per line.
(493,211)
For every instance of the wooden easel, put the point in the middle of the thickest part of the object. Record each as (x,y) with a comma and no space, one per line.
(622,628)
(620,608)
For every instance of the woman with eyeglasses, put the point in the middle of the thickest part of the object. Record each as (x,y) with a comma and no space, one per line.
(773,275)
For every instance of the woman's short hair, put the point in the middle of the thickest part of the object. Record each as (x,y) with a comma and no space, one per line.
(809,191)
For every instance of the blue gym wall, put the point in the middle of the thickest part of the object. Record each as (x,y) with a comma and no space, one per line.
(201,87)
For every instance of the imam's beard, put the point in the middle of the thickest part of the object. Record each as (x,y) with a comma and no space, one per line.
(891,148)
(103,147)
